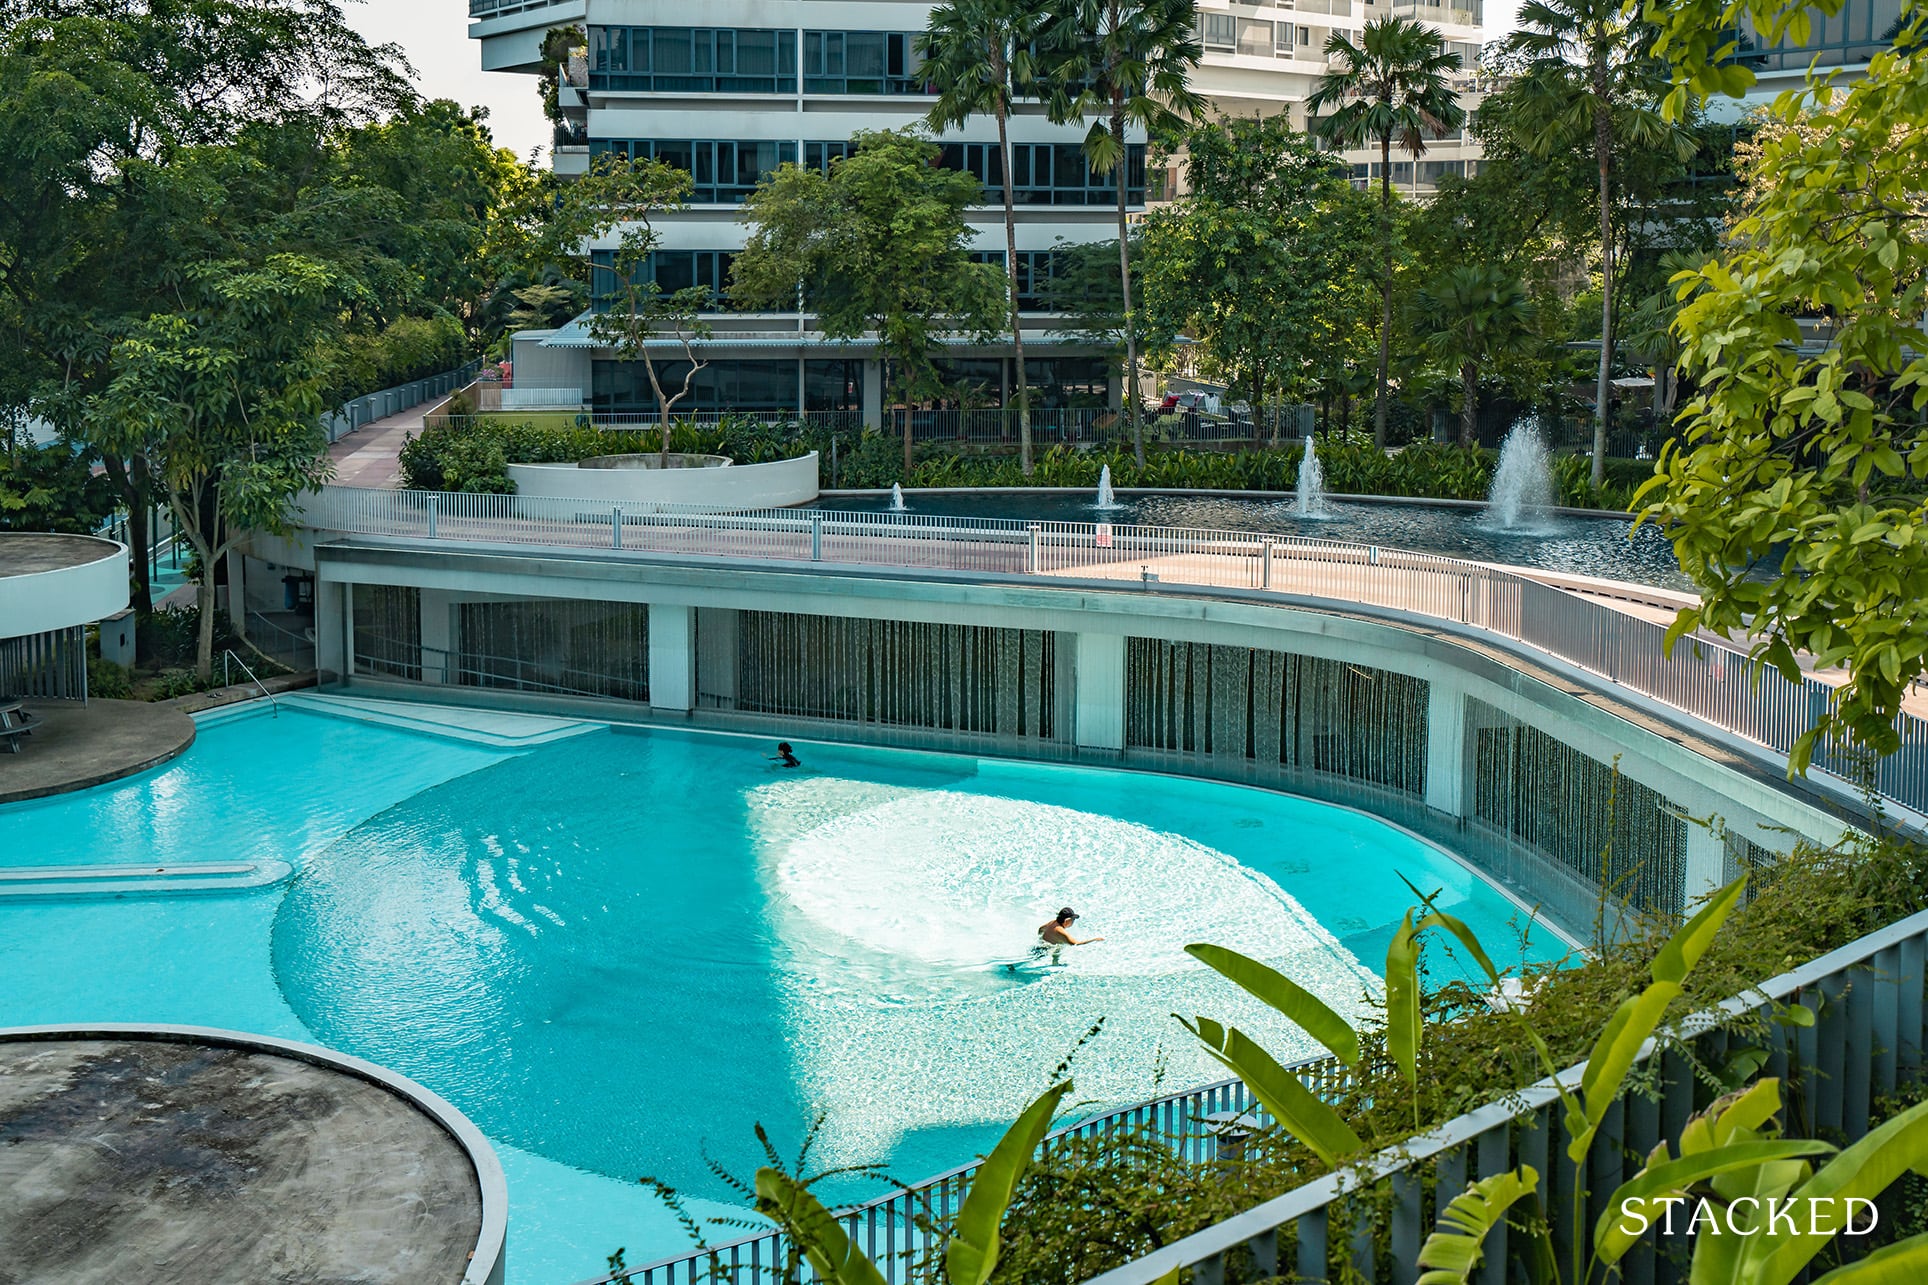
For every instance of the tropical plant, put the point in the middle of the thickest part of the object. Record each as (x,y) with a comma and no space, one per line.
(1391,86)
(624,196)
(1589,78)
(1477,312)
(878,245)
(978,56)
(1123,64)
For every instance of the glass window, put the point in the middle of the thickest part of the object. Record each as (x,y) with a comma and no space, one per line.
(1254,38)
(700,60)
(1218,30)
(722,172)
(833,385)
(722,385)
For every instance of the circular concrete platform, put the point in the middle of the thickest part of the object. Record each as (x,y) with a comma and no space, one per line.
(77,745)
(178,1154)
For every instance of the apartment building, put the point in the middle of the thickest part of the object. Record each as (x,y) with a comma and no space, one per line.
(1266,59)
(731,89)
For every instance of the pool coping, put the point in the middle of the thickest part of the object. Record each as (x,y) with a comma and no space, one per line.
(486,1260)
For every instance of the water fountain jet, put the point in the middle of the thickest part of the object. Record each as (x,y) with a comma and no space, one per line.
(1311,486)
(897,504)
(1106,499)
(1522,493)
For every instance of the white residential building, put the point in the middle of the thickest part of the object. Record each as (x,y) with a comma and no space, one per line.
(731,89)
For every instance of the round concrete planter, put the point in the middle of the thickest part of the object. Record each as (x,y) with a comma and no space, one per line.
(705,481)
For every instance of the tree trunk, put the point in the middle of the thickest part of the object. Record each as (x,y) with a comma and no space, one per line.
(1124,284)
(1603,154)
(1011,264)
(204,645)
(1468,404)
(128,478)
(1379,407)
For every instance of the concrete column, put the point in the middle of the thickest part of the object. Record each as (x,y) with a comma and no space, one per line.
(1446,748)
(1706,862)
(873,394)
(332,626)
(672,657)
(1099,718)
(438,635)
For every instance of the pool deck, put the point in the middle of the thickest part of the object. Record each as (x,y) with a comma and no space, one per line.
(164,1160)
(77,745)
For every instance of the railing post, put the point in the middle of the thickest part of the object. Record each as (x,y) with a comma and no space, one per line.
(616,527)
(1265,564)
(1034,559)
(816,537)
(432,500)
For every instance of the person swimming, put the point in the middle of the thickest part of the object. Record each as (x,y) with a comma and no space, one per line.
(1058,931)
(784,757)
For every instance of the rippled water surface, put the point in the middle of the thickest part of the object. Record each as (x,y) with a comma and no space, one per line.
(621,951)
(1606,547)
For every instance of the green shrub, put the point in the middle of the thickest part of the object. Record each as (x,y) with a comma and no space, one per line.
(108,681)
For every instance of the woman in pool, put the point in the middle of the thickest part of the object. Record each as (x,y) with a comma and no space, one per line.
(1058,931)
(783,757)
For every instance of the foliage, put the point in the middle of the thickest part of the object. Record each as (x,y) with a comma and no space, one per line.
(1261,261)
(1817,458)
(879,245)
(108,681)
(1587,78)
(471,454)
(1472,315)
(1389,88)
(52,488)
(1117,64)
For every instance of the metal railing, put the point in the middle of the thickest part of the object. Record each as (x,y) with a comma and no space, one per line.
(362,411)
(1704,678)
(228,659)
(1866,1039)
(901,1231)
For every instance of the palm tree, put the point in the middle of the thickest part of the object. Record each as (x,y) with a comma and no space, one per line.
(1479,311)
(977,54)
(1389,87)
(1124,63)
(1590,76)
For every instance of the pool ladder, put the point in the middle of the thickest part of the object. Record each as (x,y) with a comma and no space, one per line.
(228,658)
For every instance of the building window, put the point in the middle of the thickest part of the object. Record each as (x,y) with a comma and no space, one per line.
(862,62)
(722,171)
(1282,39)
(1857,33)
(1218,31)
(1254,38)
(1046,173)
(693,60)
(834,385)
(671,270)
(818,156)
(622,387)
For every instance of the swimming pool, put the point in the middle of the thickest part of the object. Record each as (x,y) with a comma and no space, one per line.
(618,950)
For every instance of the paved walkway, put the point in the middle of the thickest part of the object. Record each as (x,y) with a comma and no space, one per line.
(76,745)
(371,455)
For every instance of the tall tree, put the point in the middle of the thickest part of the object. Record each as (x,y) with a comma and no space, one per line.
(977,54)
(1475,313)
(1389,87)
(221,394)
(623,197)
(879,245)
(1124,64)
(1260,261)
(1590,80)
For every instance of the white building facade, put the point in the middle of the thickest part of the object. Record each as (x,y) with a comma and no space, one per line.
(730,90)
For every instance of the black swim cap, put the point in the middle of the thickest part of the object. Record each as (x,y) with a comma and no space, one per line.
(1067,913)
(783,747)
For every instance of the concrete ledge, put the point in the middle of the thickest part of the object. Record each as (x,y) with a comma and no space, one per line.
(77,746)
(227,1159)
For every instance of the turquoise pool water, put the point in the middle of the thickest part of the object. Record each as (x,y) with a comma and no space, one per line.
(619,951)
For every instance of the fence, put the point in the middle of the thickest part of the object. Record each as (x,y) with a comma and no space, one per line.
(901,1231)
(1704,678)
(367,409)
(1865,1040)
(51,666)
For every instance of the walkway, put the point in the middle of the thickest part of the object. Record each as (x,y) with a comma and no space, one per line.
(78,745)
(371,455)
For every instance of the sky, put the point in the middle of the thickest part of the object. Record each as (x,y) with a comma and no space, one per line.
(435,36)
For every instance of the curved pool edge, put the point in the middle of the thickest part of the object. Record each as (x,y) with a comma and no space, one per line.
(487,1260)
(172,733)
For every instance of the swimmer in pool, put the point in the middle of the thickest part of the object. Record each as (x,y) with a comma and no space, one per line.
(784,757)
(1058,931)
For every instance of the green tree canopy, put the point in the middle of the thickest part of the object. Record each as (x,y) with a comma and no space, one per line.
(1263,261)
(878,246)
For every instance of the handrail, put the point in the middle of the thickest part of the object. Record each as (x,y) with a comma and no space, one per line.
(1174,1115)
(228,657)
(1704,679)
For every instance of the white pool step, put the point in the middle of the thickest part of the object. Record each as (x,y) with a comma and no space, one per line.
(121,881)
(499,729)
